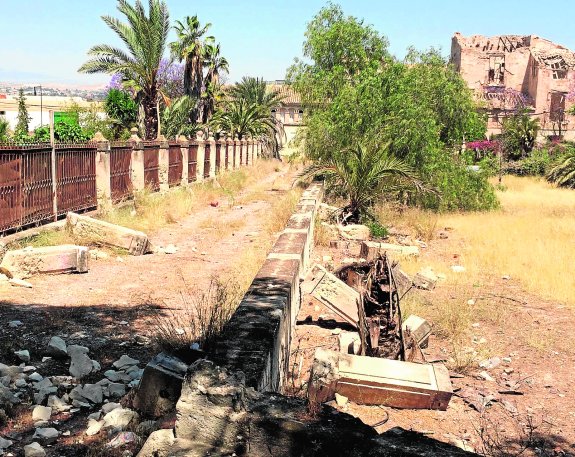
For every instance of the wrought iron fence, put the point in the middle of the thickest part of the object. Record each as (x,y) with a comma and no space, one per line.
(151,166)
(175,167)
(120,174)
(76,177)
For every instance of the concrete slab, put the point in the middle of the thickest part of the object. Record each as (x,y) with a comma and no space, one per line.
(23,263)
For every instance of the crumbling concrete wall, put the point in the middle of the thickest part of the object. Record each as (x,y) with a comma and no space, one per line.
(257,338)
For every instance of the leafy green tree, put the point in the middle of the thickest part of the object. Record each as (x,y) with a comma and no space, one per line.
(363,175)
(21,130)
(562,172)
(189,48)
(121,109)
(519,132)
(354,92)
(4,124)
(145,37)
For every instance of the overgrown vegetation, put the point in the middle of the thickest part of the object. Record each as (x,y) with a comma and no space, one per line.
(354,92)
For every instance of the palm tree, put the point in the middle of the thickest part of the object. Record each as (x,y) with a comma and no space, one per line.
(363,176)
(254,91)
(216,64)
(562,172)
(189,48)
(145,36)
(175,118)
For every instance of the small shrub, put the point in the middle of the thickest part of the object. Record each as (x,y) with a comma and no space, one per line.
(535,164)
(377,230)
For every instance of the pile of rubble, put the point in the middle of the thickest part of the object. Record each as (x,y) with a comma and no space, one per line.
(55,400)
(382,361)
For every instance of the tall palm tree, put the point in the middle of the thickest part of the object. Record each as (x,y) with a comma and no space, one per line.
(363,175)
(189,48)
(254,91)
(145,36)
(216,64)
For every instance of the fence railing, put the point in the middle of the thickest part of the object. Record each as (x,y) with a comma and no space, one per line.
(39,183)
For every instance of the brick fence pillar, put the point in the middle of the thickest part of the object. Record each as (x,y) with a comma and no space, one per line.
(137,166)
(103,171)
(184,145)
(212,142)
(163,162)
(200,156)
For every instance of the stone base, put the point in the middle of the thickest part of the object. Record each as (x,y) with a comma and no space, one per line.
(160,386)
(23,263)
(135,242)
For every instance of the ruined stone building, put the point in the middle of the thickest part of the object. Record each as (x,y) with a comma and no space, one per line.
(509,72)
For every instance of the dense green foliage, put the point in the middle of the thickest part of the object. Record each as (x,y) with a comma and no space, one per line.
(518,134)
(354,92)
(145,36)
(247,112)
(364,175)
(122,110)
(175,118)
(535,164)
(4,124)
(562,171)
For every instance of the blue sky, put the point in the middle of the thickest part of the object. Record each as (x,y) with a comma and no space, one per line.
(45,41)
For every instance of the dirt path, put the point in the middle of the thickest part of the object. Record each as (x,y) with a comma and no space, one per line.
(208,241)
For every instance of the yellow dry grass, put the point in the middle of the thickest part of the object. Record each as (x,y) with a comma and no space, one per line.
(531,238)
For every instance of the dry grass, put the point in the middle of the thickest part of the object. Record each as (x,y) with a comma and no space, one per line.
(530,238)
(154,210)
(415,222)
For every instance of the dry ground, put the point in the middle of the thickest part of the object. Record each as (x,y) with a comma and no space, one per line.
(118,306)
(514,301)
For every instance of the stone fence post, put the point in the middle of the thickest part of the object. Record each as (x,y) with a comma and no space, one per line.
(103,171)
(230,151)
(184,145)
(258,148)
(163,162)
(137,167)
(238,145)
(200,156)
(212,142)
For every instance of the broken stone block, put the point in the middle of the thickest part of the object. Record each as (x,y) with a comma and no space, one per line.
(135,242)
(333,293)
(418,328)
(23,263)
(370,250)
(161,385)
(425,279)
(354,232)
(375,381)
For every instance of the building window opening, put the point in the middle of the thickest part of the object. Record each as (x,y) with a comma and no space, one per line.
(558,68)
(496,70)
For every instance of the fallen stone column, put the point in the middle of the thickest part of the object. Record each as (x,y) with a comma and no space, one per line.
(135,242)
(375,381)
(23,263)
(370,250)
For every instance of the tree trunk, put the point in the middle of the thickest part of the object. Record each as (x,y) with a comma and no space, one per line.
(149,103)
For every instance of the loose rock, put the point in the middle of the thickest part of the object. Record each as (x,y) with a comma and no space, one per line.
(48,435)
(57,347)
(124,362)
(94,427)
(120,418)
(34,450)
(41,413)
(23,355)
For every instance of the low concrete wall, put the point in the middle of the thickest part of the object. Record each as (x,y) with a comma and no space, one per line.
(257,338)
